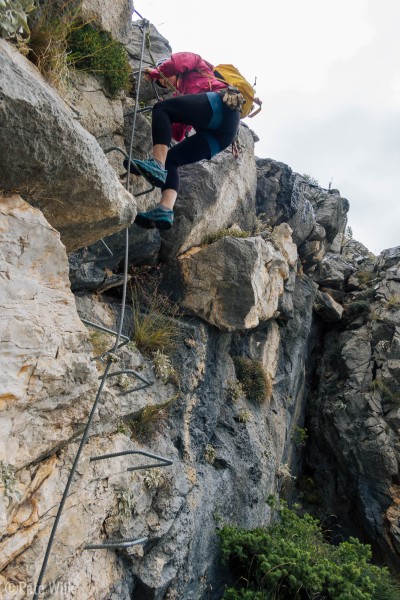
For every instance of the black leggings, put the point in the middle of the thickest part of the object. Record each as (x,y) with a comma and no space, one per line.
(195,110)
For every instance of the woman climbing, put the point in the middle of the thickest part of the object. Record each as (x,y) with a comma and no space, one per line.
(198,104)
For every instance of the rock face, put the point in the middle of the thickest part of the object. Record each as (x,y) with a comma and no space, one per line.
(314,311)
(316,216)
(354,415)
(116,21)
(59,165)
(45,368)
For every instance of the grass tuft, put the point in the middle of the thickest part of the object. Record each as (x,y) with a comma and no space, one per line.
(255,381)
(221,233)
(154,322)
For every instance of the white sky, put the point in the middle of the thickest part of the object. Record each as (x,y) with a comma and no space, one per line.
(328,73)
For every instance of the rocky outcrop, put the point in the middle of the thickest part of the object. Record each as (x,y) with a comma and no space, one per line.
(316,216)
(116,21)
(235,283)
(59,166)
(223,445)
(214,195)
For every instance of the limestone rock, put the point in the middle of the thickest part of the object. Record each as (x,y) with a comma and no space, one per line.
(355,417)
(235,283)
(46,357)
(333,271)
(214,195)
(117,19)
(315,215)
(327,308)
(59,166)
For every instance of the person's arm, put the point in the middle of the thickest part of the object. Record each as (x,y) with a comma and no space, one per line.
(179,63)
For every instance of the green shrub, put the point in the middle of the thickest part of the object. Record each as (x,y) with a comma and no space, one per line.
(310,179)
(97,53)
(13,17)
(299,436)
(292,560)
(256,383)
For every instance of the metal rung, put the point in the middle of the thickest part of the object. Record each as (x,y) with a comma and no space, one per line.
(111,331)
(134,374)
(163,462)
(117,543)
(153,187)
(99,258)
(125,338)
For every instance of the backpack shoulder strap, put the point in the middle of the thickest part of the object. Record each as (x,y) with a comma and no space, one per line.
(257,110)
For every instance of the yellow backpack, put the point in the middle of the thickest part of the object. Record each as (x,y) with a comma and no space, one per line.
(232,76)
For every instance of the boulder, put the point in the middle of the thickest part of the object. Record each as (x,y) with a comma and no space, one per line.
(333,271)
(214,194)
(53,161)
(327,308)
(234,283)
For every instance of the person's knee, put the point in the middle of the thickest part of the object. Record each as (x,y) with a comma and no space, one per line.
(173,161)
(158,108)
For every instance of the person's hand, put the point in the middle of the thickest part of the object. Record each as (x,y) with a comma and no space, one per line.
(147,75)
(233,98)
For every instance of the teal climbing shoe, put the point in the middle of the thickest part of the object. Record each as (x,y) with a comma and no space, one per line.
(150,169)
(162,219)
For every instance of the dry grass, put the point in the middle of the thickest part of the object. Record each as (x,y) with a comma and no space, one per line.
(154,321)
(48,43)
(149,419)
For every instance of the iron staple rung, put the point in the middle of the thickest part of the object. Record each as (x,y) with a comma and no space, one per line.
(111,331)
(163,461)
(130,372)
(100,258)
(117,543)
(153,187)
(167,463)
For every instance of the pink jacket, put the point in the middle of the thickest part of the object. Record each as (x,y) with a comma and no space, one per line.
(194,75)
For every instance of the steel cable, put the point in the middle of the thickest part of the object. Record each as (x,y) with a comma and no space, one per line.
(113,543)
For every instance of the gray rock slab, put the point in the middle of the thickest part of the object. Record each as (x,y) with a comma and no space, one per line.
(53,161)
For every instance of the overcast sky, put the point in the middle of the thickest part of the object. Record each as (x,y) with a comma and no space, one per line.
(328,73)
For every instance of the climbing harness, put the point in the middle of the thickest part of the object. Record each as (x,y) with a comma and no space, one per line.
(109,357)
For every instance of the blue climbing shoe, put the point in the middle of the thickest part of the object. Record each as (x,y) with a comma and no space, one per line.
(162,219)
(150,169)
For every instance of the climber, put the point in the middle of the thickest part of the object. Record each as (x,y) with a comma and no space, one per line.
(200,101)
